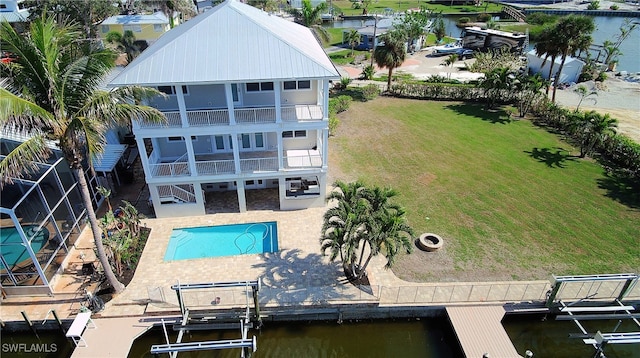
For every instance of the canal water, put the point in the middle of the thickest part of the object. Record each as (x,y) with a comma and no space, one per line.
(606,29)
(46,344)
(425,338)
(557,339)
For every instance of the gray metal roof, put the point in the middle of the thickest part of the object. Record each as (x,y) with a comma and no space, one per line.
(233,42)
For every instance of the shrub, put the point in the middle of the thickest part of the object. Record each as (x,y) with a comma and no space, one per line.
(463,20)
(614,7)
(540,18)
(333,123)
(342,103)
(367,72)
(484,17)
(370,92)
(601,77)
(594,5)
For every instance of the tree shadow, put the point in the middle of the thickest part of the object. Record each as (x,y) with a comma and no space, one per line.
(621,188)
(498,116)
(552,157)
(292,279)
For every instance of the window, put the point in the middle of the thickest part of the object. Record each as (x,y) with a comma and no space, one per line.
(133,28)
(296,85)
(219,142)
(294,134)
(105,29)
(259,140)
(171,90)
(259,86)
(158,27)
(180,139)
(246,141)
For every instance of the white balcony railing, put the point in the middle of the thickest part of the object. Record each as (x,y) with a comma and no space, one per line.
(175,169)
(259,165)
(215,167)
(303,161)
(220,117)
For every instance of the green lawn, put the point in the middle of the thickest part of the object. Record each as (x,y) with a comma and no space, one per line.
(509,198)
(345,6)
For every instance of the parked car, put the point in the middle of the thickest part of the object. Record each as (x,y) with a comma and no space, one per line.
(465,53)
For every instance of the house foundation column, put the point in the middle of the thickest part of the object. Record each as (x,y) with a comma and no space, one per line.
(242,199)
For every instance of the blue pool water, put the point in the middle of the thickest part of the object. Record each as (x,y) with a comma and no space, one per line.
(11,246)
(225,240)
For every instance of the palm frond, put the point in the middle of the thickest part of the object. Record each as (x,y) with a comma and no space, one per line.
(24,159)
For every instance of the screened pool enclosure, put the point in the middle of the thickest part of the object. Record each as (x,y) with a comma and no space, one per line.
(41,216)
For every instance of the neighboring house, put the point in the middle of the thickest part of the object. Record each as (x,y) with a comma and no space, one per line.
(14,11)
(246,107)
(570,71)
(144,27)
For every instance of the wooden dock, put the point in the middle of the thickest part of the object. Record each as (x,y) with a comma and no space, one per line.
(479,331)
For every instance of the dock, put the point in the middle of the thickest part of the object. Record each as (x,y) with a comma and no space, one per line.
(479,331)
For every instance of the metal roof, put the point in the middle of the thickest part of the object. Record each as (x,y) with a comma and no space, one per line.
(233,42)
(156,18)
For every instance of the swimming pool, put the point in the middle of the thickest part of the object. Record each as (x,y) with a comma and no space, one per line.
(224,240)
(11,246)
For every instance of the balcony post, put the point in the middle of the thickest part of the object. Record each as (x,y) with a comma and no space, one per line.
(325,100)
(278,92)
(325,148)
(182,107)
(229,96)
(143,156)
(280,151)
(191,157)
(242,199)
(236,152)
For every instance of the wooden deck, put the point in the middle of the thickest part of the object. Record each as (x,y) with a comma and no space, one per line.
(479,331)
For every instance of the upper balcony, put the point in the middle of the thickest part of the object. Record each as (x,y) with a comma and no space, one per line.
(221,117)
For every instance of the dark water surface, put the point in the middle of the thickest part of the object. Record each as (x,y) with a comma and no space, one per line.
(425,338)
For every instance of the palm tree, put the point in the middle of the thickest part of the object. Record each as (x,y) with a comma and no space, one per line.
(364,218)
(495,84)
(583,92)
(391,54)
(544,47)
(353,39)
(592,128)
(449,62)
(439,28)
(55,80)
(124,42)
(311,17)
(528,91)
(573,34)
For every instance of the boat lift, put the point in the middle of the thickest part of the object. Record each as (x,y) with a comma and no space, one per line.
(247,345)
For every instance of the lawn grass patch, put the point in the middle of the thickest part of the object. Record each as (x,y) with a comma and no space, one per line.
(509,198)
(381,6)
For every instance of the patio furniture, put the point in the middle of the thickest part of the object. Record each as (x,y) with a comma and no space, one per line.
(82,321)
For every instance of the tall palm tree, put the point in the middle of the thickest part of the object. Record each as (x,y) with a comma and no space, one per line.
(311,17)
(53,93)
(353,39)
(391,54)
(573,34)
(545,47)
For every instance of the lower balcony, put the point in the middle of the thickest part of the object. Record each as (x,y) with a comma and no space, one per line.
(250,162)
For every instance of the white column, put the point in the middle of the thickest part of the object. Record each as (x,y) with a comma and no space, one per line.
(229,96)
(155,197)
(280,151)
(182,107)
(143,156)
(236,152)
(325,148)
(191,157)
(242,199)
(278,91)
(325,100)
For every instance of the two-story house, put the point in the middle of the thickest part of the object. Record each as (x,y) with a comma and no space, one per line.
(246,106)
(145,27)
